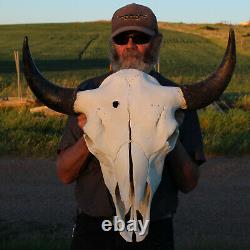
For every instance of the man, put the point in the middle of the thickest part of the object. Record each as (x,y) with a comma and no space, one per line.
(135,43)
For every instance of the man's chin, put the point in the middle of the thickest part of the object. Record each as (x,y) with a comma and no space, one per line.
(132,64)
(144,68)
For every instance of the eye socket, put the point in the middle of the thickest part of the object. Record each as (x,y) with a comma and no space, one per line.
(115,104)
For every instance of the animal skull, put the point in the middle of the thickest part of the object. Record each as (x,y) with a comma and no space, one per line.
(130,128)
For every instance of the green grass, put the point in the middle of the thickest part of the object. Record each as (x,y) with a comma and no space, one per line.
(56,48)
(226,133)
(23,133)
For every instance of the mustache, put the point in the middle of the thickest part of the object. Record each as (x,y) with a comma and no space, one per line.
(131,52)
(131,58)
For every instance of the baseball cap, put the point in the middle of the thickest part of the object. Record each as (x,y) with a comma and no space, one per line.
(134,17)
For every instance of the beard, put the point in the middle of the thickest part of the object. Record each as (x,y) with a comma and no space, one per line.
(133,59)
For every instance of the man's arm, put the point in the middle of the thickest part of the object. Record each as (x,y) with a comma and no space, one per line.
(184,171)
(188,153)
(71,160)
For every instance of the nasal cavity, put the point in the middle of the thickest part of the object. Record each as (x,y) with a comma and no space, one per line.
(128,216)
(115,104)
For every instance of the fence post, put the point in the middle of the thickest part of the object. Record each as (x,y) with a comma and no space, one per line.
(19,88)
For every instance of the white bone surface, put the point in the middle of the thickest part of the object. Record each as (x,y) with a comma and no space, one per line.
(143,125)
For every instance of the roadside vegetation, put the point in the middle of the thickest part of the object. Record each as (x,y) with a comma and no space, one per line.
(225,133)
(26,134)
(70,53)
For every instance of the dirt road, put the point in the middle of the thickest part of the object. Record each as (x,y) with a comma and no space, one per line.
(32,198)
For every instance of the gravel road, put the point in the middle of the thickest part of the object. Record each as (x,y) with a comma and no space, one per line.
(218,210)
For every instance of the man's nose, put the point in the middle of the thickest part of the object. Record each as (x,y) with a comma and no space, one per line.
(131,43)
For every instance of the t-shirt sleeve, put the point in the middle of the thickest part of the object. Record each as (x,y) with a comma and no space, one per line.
(71,134)
(191,138)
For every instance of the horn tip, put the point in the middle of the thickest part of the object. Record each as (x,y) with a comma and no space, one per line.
(25,40)
(231,33)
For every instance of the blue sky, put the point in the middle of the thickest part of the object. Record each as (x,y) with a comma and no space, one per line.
(189,11)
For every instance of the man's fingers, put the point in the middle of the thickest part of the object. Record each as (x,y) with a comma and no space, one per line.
(81,120)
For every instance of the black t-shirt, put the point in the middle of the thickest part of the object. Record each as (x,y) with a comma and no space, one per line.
(92,195)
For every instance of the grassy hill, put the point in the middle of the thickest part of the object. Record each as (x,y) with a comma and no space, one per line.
(70,53)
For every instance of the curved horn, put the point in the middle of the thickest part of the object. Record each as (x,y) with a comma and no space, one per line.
(201,94)
(57,98)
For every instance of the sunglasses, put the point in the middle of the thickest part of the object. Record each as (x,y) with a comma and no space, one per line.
(138,38)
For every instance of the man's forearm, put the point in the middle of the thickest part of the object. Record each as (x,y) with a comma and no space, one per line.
(184,170)
(71,160)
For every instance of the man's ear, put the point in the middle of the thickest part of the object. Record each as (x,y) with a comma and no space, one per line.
(153,52)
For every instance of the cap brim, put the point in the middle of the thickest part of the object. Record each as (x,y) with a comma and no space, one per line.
(136,28)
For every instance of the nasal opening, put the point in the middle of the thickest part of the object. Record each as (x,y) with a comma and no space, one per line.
(119,200)
(131,174)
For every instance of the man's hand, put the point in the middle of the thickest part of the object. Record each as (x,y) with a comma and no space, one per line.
(81,120)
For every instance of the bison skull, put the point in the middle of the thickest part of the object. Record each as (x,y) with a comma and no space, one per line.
(130,128)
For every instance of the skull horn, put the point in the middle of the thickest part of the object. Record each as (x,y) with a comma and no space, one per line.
(57,98)
(201,94)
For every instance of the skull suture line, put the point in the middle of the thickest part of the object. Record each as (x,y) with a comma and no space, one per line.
(132,151)
(132,139)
